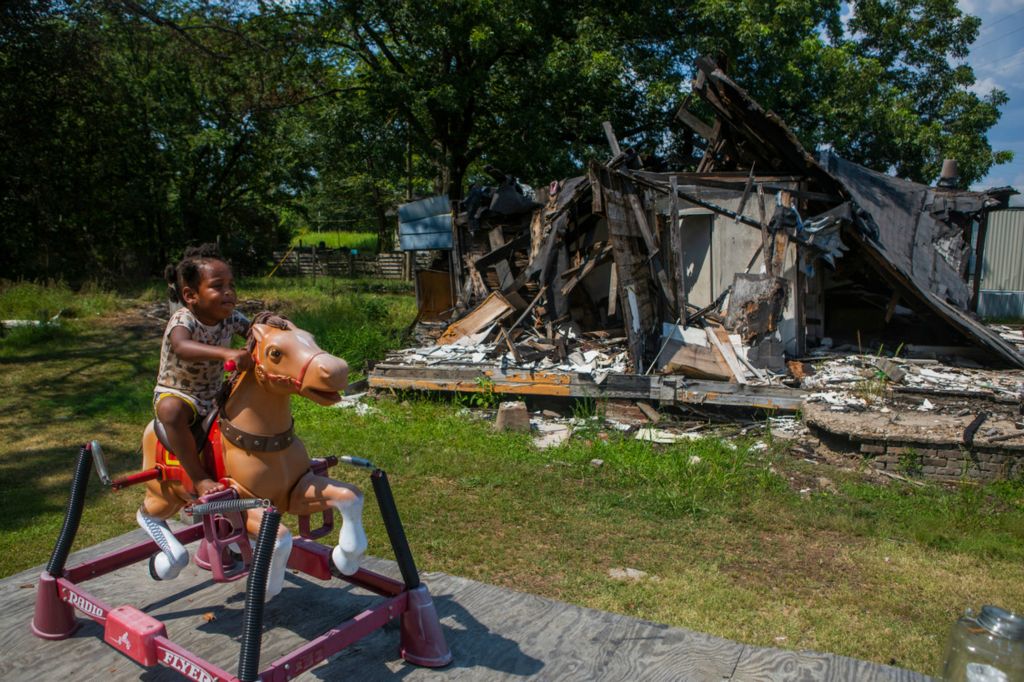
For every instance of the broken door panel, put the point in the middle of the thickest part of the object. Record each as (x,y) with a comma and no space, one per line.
(434,288)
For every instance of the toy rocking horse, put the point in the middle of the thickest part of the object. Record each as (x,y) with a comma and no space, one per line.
(253,449)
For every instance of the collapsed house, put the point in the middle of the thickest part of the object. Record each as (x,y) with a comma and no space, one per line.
(692,288)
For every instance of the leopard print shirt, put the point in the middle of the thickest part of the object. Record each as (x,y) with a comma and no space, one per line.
(198,379)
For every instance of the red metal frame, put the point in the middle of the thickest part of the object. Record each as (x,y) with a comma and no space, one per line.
(144,639)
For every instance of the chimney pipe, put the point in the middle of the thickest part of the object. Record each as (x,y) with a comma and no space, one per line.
(950,174)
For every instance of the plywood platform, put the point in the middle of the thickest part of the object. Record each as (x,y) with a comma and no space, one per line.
(494,634)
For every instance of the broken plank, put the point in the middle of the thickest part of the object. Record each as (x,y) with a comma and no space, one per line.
(890,308)
(678,255)
(497,239)
(613,290)
(695,124)
(596,200)
(766,245)
(725,349)
(502,252)
(781,238)
(746,191)
(645,230)
(613,142)
(493,308)
(529,307)
(697,362)
(714,145)
(511,346)
(586,268)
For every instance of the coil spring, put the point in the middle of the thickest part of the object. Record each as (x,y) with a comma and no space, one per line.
(226,506)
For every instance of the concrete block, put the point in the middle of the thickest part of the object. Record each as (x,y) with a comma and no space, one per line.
(512,416)
(626,412)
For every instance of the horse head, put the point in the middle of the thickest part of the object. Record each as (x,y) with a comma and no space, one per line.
(288,360)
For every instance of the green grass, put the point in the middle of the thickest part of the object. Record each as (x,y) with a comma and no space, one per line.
(732,540)
(359,320)
(365,242)
(42,301)
(871,571)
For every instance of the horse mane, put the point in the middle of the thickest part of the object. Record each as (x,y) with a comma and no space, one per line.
(268,318)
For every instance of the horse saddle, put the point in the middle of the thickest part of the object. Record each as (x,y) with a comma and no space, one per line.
(200,431)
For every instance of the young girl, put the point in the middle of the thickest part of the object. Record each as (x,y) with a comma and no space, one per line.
(195,347)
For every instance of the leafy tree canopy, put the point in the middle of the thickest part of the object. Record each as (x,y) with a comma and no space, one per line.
(129,129)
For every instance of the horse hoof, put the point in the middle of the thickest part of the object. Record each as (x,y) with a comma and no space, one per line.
(152,567)
(270,594)
(347,564)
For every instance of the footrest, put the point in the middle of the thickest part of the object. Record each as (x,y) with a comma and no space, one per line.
(134,634)
(220,531)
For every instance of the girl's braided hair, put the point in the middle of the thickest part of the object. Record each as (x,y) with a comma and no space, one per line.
(188,272)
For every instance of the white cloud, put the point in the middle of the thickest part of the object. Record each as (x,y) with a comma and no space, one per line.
(1009,67)
(1002,179)
(984,8)
(984,86)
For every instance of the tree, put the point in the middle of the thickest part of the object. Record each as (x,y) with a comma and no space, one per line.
(880,85)
(129,131)
(522,85)
(130,128)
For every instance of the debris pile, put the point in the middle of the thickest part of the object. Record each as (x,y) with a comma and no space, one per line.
(696,279)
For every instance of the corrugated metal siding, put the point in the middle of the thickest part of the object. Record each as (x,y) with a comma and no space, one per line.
(1001,304)
(1003,266)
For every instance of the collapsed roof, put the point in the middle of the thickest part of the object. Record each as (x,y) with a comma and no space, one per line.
(913,232)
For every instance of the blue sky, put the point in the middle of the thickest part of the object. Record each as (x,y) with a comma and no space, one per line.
(997,57)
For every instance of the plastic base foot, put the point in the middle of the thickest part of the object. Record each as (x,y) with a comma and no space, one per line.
(423,641)
(53,618)
(228,560)
(202,556)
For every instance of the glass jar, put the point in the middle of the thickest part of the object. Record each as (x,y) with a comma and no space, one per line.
(989,648)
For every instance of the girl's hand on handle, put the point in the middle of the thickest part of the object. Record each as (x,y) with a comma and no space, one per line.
(207,486)
(241,359)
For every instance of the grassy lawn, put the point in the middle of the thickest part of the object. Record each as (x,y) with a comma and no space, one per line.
(334,239)
(729,543)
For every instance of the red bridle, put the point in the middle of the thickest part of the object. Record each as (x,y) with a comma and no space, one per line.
(297,381)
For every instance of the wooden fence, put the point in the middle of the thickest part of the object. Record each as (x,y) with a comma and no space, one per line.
(310,261)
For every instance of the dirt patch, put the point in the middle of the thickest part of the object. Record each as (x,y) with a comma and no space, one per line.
(150,319)
(144,321)
(816,562)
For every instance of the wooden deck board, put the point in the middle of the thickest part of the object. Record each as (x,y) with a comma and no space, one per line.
(554,383)
(494,634)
